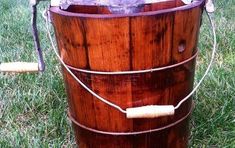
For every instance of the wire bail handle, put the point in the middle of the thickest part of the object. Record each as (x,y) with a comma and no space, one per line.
(151,111)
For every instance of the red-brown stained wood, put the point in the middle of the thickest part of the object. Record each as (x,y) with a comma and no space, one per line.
(150,48)
(103,56)
(71,45)
(162,5)
(185,37)
(179,3)
(107,42)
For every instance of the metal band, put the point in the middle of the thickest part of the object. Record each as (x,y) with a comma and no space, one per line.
(130,133)
(134,72)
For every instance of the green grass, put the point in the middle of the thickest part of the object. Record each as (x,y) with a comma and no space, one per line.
(214,117)
(33,106)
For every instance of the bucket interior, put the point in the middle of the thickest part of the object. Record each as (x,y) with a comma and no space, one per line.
(85,9)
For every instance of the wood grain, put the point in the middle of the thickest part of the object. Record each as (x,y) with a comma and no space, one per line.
(123,43)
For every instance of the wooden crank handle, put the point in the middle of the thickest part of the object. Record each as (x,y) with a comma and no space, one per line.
(152,111)
(19,67)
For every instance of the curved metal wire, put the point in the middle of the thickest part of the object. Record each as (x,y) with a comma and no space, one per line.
(118,107)
(134,71)
(209,66)
(77,79)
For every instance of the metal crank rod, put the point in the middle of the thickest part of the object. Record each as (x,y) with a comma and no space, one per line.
(23,67)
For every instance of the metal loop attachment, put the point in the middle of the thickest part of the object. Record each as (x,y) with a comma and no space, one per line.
(23,67)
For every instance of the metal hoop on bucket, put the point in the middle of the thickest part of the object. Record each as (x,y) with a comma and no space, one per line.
(131,133)
(134,72)
(152,111)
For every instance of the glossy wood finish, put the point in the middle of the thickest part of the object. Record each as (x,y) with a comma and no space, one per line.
(120,43)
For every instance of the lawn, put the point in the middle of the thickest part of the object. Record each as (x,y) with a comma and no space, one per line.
(33,106)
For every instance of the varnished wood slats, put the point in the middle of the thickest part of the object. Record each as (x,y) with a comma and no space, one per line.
(71,41)
(88,9)
(151,48)
(73,51)
(163,5)
(185,35)
(150,41)
(102,35)
(123,44)
(179,3)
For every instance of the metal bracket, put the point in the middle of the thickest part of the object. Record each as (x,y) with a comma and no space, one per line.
(210,7)
(22,67)
(41,64)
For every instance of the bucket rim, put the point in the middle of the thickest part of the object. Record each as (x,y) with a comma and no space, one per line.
(59,11)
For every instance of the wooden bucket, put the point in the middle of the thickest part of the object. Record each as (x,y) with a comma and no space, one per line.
(163,34)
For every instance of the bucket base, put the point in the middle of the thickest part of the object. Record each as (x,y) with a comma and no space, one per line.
(174,135)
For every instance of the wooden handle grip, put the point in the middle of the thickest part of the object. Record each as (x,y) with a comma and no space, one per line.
(19,67)
(152,111)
